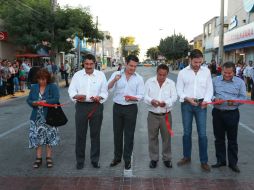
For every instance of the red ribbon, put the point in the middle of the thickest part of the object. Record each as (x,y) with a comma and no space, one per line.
(44,104)
(90,114)
(230,101)
(170,131)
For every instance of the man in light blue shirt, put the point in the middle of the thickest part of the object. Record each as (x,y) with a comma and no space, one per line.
(128,87)
(226,116)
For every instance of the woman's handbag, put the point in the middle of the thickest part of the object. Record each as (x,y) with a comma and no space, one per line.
(56,117)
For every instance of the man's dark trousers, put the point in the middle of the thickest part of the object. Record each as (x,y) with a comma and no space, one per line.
(81,119)
(124,123)
(226,123)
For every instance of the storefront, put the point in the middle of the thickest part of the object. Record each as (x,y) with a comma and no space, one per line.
(239,44)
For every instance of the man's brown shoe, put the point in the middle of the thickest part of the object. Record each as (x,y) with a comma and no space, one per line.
(206,167)
(184,161)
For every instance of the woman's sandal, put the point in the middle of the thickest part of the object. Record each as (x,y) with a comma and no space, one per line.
(37,163)
(49,162)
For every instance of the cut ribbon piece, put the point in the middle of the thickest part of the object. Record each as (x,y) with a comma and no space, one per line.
(170,131)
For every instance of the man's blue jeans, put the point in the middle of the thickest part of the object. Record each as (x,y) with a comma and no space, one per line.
(188,111)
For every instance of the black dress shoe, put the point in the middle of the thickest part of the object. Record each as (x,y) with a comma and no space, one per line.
(153,164)
(95,164)
(234,168)
(168,164)
(218,165)
(114,162)
(80,165)
(127,165)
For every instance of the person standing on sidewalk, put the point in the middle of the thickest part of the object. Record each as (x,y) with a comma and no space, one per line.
(160,96)
(128,87)
(194,87)
(89,89)
(67,70)
(226,116)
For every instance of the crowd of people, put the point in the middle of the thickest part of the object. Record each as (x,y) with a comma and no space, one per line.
(195,87)
(17,76)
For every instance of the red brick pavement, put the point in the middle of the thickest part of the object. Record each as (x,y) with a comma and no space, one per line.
(120,183)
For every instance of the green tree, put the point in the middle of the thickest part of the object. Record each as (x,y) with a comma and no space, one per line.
(31,22)
(174,47)
(70,22)
(128,41)
(153,53)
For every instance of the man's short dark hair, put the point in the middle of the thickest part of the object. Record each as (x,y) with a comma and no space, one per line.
(90,57)
(132,58)
(228,65)
(196,53)
(163,66)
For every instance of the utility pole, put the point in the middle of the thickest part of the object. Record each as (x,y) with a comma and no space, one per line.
(221,36)
(96,26)
(78,56)
(102,45)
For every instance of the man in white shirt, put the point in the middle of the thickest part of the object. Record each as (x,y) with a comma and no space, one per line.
(88,88)
(160,95)
(195,88)
(128,89)
(247,72)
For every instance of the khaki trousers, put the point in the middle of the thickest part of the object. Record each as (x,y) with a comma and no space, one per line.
(156,123)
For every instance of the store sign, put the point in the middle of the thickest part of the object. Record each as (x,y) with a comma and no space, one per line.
(3,36)
(248,5)
(233,23)
(241,34)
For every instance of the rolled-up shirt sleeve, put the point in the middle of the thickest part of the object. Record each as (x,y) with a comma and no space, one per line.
(104,89)
(170,101)
(180,87)
(147,98)
(73,88)
(140,89)
(209,90)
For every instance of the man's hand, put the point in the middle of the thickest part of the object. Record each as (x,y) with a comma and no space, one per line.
(35,103)
(155,103)
(130,98)
(218,99)
(191,101)
(230,103)
(80,98)
(117,77)
(203,105)
(162,104)
(96,98)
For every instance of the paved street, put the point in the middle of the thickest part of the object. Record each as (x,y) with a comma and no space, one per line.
(16,171)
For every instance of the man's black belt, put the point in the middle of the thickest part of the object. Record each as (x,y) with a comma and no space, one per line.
(223,110)
(125,105)
(158,114)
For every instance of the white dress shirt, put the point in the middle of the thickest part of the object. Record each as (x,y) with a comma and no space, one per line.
(123,87)
(166,93)
(193,85)
(89,85)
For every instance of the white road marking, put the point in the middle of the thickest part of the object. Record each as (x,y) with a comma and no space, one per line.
(246,127)
(13,129)
(129,173)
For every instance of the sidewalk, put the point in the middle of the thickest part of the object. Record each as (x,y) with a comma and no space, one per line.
(61,84)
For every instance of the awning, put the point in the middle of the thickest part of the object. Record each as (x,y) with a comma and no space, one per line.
(30,55)
(239,45)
